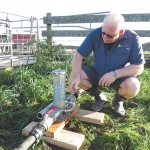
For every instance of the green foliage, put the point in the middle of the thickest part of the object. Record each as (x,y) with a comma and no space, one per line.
(5,77)
(28,89)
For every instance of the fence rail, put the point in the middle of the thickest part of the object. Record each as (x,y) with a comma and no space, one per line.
(87,18)
(83,33)
(93,18)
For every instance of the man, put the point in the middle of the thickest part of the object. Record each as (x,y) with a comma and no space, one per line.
(113,47)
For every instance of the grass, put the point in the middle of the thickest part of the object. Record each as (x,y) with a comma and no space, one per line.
(24,91)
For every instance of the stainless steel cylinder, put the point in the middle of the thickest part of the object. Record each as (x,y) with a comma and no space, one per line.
(59,90)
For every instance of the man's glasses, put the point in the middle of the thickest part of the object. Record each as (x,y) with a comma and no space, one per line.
(110,36)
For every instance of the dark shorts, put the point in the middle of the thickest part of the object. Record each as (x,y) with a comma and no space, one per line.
(94,78)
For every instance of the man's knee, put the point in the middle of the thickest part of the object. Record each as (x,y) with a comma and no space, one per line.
(131,86)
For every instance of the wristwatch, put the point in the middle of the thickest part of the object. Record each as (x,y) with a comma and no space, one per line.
(115,74)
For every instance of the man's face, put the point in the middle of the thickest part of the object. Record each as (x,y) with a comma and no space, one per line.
(110,33)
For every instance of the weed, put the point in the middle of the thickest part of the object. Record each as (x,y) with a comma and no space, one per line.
(28,89)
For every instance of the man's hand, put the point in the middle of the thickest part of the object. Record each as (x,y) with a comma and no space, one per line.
(107,79)
(73,84)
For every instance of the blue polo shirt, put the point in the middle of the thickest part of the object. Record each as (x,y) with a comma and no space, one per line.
(125,50)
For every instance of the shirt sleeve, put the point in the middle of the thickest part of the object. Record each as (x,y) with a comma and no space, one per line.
(137,55)
(87,45)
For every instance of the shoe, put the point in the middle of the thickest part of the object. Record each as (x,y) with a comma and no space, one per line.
(99,102)
(119,110)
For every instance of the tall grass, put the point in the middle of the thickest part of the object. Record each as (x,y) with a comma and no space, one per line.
(26,90)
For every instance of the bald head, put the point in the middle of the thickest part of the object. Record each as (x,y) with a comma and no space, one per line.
(114,19)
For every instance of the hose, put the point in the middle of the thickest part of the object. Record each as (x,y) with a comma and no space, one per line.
(27,143)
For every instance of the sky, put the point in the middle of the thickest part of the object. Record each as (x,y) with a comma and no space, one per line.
(39,8)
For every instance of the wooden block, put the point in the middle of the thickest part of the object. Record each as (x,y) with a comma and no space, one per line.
(65,139)
(90,116)
(56,127)
(28,128)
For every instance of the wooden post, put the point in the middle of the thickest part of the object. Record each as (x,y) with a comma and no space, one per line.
(49,27)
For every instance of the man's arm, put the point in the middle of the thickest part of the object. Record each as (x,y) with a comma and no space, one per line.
(131,70)
(75,74)
(76,64)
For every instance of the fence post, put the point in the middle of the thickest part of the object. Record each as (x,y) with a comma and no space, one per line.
(49,27)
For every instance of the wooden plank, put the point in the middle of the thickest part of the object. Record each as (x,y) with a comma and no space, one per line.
(28,128)
(143,33)
(90,116)
(58,126)
(143,17)
(65,139)
(145,47)
(70,47)
(66,33)
(83,33)
(73,19)
(93,18)
(49,27)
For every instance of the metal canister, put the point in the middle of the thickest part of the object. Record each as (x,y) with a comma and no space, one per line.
(59,90)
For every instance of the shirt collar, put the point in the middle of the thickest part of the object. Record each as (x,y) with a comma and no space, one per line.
(124,35)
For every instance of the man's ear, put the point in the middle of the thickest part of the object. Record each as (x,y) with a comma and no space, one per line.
(121,31)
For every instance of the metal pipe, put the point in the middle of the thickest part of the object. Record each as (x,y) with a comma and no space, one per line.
(31,27)
(73,106)
(41,114)
(20,20)
(27,143)
(55,114)
(13,14)
(37,25)
(49,112)
(36,134)
(13,29)
(54,27)
(74,96)
(46,123)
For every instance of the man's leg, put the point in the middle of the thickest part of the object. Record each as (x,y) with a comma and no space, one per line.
(100,99)
(89,86)
(128,89)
